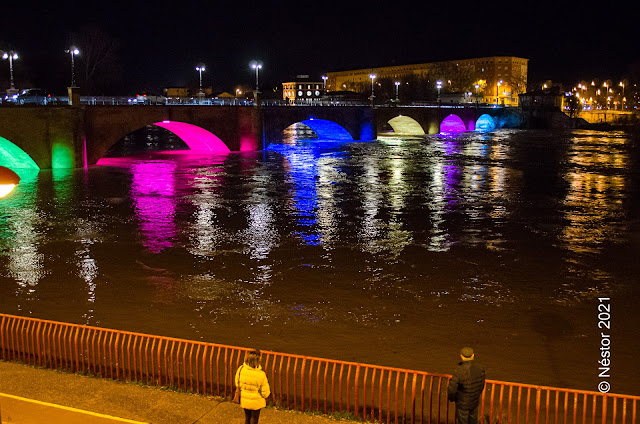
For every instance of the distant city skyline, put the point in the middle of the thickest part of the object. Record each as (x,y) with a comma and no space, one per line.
(160,46)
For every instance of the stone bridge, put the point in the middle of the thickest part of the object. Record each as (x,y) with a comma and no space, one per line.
(71,137)
(434,119)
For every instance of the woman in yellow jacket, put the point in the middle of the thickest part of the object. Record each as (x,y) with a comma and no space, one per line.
(253,385)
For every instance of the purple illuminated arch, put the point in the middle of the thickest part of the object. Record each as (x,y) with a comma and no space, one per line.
(197,138)
(452,124)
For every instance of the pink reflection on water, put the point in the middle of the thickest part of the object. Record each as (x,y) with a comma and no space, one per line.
(196,138)
(152,192)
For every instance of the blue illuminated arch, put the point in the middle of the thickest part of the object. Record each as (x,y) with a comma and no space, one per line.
(485,123)
(452,124)
(327,130)
(406,125)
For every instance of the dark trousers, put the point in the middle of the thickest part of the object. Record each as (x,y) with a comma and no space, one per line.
(467,416)
(251,416)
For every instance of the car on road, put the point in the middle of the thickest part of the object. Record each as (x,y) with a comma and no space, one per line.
(34,96)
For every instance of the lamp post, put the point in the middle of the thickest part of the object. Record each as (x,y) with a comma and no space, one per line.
(477,86)
(498,91)
(11,55)
(373,77)
(8,181)
(254,64)
(397,87)
(200,69)
(439,86)
(73,51)
(324,83)
(622,85)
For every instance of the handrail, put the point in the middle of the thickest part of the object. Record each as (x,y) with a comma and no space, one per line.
(306,383)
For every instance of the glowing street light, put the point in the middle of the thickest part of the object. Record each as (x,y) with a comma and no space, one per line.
(439,86)
(373,77)
(622,85)
(200,69)
(397,85)
(73,51)
(254,64)
(11,55)
(8,181)
(498,91)
(477,86)
(324,83)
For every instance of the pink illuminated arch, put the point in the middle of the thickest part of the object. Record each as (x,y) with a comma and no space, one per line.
(196,138)
(452,124)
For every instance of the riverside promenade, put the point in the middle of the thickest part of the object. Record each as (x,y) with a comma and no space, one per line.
(129,401)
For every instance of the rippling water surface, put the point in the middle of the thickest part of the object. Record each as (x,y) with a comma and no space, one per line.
(395,252)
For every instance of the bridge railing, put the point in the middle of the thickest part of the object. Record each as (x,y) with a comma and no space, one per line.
(369,392)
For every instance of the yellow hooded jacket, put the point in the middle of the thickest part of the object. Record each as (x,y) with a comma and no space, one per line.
(254,387)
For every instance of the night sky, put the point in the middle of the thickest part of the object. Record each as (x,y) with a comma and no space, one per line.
(161,42)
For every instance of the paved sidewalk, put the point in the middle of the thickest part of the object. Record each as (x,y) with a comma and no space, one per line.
(133,401)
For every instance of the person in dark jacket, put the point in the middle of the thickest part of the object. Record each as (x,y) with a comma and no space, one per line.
(466,386)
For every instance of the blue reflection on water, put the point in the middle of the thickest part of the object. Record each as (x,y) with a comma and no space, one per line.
(303,166)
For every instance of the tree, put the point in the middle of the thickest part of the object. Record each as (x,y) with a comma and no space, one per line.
(100,67)
(574,105)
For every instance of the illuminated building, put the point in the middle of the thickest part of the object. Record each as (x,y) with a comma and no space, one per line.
(302,90)
(499,78)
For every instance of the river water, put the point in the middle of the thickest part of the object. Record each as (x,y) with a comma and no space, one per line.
(395,252)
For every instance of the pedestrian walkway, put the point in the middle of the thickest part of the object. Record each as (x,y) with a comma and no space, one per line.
(132,401)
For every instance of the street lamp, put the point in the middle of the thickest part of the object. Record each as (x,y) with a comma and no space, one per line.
(11,55)
(73,51)
(254,64)
(397,86)
(8,181)
(498,91)
(606,93)
(622,85)
(200,69)
(324,83)
(373,77)
(439,86)
(477,86)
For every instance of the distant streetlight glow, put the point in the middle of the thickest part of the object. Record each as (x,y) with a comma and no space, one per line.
(498,91)
(11,55)
(73,51)
(397,86)
(324,83)
(477,86)
(438,86)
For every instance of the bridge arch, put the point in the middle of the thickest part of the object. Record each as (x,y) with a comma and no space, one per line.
(406,125)
(485,123)
(197,138)
(452,124)
(13,157)
(193,138)
(326,129)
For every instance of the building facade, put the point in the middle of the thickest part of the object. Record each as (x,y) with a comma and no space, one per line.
(496,79)
(302,90)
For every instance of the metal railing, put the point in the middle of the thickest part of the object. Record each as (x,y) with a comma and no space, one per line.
(369,392)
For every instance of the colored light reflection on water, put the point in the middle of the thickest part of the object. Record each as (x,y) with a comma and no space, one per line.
(395,252)
(152,192)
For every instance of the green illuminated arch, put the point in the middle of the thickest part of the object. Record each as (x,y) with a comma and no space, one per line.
(14,157)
